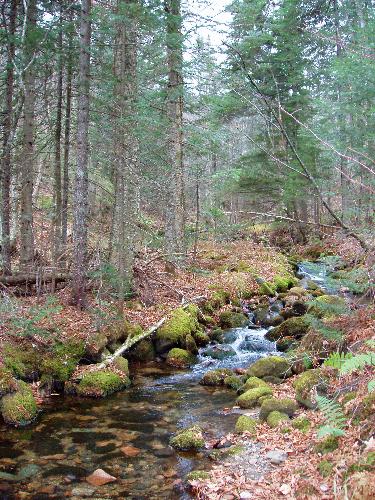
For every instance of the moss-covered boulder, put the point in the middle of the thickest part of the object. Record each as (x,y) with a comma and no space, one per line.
(180,358)
(188,439)
(252,383)
(216,377)
(217,335)
(233,382)
(201,338)
(99,384)
(263,398)
(285,405)
(275,366)
(306,384)
(301,423)
(297,291)
(249,399)
(220,351)
(143,351)
(95,345)
(229,319)
(7,382)
(327,445)
(295,327)
(190,344)
(286,343)
(197,475)
(328,306)
(121,364)
(59,364)
(275,418)
(246,424)
(23,361)
(19,408)
(174,331)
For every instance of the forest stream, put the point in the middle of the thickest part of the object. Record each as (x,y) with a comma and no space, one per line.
(127,434)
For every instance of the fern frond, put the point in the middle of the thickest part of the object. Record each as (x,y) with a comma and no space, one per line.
(357,362)
(370,342)
(371,385)
(337,359)
(334,416)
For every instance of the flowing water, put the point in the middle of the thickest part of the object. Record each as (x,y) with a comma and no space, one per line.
(73,437)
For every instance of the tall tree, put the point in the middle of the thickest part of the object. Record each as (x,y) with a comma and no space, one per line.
(80,203)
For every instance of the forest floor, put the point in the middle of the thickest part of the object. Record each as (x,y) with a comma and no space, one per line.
(236,267)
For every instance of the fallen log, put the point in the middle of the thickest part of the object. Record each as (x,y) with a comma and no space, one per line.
(33,279)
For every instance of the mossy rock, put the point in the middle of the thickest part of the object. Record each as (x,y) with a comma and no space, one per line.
(285,405)
(197,475)
(229,319)
(286,343)
(201,338)
(217,335)
(275,366)
(61,362)
(233,382)
(275,418)
(252,383)
(190,344)
(267,288)
(249,399)
(95,345)
(7,382)
(188,439)
(224,453)
(216,377)
(19,408)
(99,384)
(295,327)
(327,445)
(297,291)
(263,398)
(219,298)
(306,384)
(143,351)
(328,306)
(121,364)
(301,423)
(246,424)
(180,358)
(175,329)
(283,283)
(325,468)
(24,361)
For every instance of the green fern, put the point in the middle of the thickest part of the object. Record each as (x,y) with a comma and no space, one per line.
(357,362)
(371,385)
(334,416)
(337,359)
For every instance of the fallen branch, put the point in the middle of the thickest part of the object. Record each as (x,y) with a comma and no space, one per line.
(282,217)
(33,279)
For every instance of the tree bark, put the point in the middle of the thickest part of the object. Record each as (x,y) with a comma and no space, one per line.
(7,147)
(27,165)
(175,212)
(80,206)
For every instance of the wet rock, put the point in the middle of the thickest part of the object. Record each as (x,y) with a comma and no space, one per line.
(229,319)
(83,491)
(253,343)
(57,456)
(100,477)
(277,457)
(219,352)
(292,327)
(130,451)
(188,439)
(180,358)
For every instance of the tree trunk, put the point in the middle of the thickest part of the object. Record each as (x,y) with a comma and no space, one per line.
(80,206)
(175,214)
(7,148)
(126,145)
(27,165)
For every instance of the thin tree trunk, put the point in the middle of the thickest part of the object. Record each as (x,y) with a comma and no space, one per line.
(175,215)
(27,165)
(6,156)
(80,205)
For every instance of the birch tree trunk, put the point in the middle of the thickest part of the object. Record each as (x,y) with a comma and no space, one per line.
(7,147)
(126,145)
(175,211)
(28,162)
(80,204)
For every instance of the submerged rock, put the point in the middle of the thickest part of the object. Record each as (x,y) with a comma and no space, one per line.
(188,439)
(100,477)
(19,408)
(197,475)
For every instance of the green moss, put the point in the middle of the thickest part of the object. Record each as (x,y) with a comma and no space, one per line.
(7,382)
(275,418)
(270,379)
(197,475)
(267,288)
(329,444)
(295,327)
(217,335)
(143,351)
(121,364)
(271,365)
(246,424)
(286,405)
(297,291)
(325,468)
(191,345)
(233,382)
(284,282)
(230,319)
(252,383)
(188,439)
(224,453)
(356,279)
(100,384)
(201,338)
(95,345)
(306,384)
(180,358)
(263,398)
(19,408)
(216,377)
(301,423)
(328,306)
(23,362)
(132,329)
(180,324)
(219,298)
(61,362)
(249,399)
